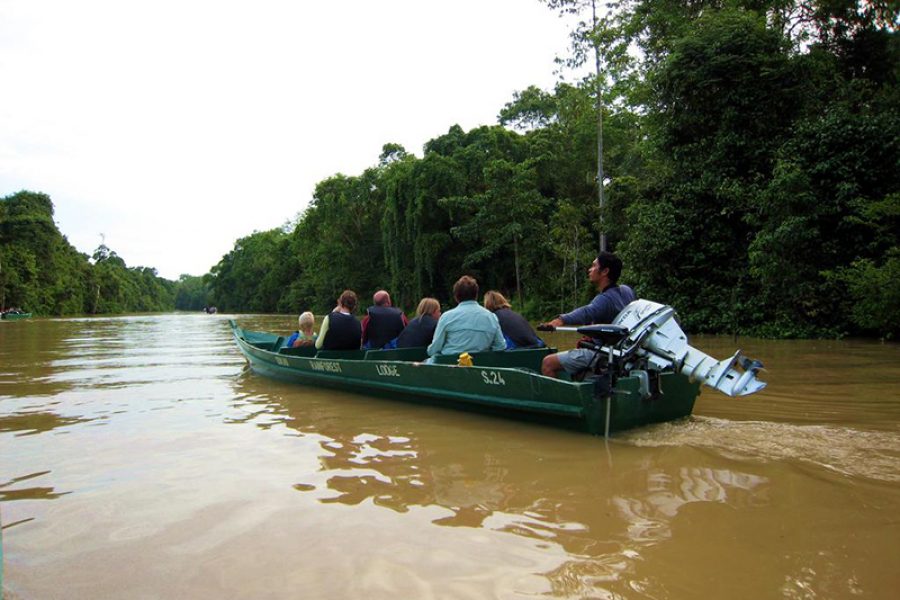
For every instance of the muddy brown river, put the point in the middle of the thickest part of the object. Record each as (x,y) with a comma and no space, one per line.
(141,459)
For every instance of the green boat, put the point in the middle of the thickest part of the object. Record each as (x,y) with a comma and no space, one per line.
(15,316)
(635,381)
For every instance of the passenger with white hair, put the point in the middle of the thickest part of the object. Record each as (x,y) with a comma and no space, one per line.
(305,336)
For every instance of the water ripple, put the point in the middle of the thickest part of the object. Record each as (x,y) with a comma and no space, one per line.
(848,451)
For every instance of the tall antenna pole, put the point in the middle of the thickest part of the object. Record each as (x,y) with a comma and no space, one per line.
(599,129)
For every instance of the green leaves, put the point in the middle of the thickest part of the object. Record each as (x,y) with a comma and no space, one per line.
(874,288)
(42,273)
(251,276)
(532,108)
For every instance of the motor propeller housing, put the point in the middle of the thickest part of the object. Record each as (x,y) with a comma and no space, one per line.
(647,335)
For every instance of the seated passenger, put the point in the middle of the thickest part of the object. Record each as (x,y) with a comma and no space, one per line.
(382,323)
(340,329)
(468,327)
(516,330)
(305,336)
(420,330)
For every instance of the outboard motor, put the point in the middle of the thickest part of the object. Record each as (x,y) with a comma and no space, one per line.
(646,337)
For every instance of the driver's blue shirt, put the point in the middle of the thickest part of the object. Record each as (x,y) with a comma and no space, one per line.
(603,308)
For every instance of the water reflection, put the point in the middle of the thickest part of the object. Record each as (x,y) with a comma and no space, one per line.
(648,517)
(32,423)
(28,493)
(557,489)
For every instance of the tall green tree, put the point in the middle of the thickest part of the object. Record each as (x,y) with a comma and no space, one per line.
(191,293)
(39,270)
(246,278)
(339,242)
(829,222)
(724,100)
(600,39)
(503,222)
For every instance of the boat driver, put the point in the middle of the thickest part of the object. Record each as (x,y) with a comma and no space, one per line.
(604,274)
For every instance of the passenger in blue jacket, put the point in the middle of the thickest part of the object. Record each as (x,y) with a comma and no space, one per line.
(516,330)
(604,274)
(420,331)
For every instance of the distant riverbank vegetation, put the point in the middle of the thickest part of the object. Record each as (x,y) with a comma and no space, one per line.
(752,159)
(41,272)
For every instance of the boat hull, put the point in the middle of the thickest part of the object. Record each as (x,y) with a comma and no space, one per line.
(515,392)
(15,316)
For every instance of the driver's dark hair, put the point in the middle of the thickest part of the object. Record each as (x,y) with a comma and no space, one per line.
(608,260)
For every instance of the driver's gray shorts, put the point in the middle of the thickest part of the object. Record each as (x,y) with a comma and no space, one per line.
(577,360)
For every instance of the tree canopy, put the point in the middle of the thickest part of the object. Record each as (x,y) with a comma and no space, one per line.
(752,181)
(752,178)
(42,273)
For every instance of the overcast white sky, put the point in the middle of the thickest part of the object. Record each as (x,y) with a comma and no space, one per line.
(176,127)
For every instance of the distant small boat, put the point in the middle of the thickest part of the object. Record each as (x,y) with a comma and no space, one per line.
(15,316)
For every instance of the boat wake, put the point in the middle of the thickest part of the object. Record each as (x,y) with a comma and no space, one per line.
(851,452)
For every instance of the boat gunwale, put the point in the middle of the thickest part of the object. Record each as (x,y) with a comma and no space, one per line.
(294,367)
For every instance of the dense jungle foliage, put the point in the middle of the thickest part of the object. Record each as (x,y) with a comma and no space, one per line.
(752,180)
(752,159)
(41,272)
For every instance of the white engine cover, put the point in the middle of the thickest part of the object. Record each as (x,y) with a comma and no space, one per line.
(654,328)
